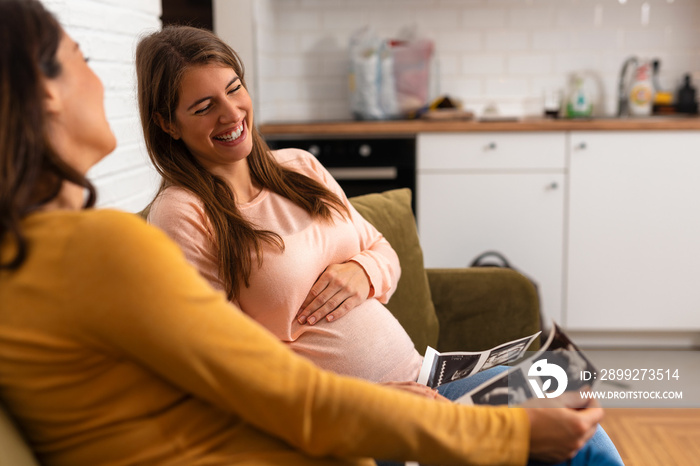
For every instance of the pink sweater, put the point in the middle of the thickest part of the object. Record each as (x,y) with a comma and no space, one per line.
(368,342)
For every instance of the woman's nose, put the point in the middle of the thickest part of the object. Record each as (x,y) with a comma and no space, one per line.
(231,112)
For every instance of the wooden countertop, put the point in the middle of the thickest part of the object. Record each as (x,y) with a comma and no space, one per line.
(409,127)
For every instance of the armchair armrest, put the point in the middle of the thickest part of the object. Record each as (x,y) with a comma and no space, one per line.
(479,308)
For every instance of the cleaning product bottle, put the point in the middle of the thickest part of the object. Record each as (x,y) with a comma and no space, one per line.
(641,91)
(687,102)
(663,100)
(579,104)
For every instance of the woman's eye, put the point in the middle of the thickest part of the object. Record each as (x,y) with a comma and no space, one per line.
(202,110)
(235,89)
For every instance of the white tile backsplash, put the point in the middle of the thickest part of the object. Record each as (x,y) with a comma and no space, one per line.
(531,17)
(298,20)
(507,88)
(488,51)
(569,62)
(483,64)
(342,19)
(466,88)
(476,18)
(511,41)
(440,19)
(451,41)
(596,39)
(552,40)
(529,64)
(330,42)
(450,63)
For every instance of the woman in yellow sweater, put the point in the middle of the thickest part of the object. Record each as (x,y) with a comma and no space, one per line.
(113,350)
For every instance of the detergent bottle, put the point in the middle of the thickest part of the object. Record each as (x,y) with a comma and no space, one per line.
(579,104)
(641,96)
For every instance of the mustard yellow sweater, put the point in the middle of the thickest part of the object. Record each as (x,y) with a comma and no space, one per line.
(113,350)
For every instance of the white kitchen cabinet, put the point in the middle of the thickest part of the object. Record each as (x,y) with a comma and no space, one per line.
(634,231)
(495,191)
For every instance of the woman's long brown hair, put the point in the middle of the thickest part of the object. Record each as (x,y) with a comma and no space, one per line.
(161,60)
(31,173)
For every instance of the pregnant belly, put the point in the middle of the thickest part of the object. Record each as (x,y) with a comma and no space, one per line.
(368,343)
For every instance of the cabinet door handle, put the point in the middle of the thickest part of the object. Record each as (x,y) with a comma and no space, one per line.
(552,186)
(581,146)
(491,146)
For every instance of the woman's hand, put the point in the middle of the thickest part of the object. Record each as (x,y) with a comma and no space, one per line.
(560,427)
(416,389)
(340,288)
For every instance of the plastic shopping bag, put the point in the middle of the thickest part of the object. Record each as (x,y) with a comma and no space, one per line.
(388,78)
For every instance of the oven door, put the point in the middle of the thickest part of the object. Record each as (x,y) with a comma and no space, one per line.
(363,166)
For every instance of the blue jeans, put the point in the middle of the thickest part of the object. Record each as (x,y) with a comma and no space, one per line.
(598,451)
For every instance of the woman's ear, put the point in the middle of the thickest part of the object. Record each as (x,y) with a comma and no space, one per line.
(167,126)
(52,97)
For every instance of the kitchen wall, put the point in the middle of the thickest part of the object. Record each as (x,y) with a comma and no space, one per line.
(506,52)
(107,31)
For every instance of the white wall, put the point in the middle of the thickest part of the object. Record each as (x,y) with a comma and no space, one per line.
(107,31)
(502,51)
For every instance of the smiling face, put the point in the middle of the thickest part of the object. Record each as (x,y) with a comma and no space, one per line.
(214,117)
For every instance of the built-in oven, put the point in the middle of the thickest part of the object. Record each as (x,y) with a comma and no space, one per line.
(362,165)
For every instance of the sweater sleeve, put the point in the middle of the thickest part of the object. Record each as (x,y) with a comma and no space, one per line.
(158,311)
(377,258)
(182,217)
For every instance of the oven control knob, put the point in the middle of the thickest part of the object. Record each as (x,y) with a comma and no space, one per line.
(315,150)
(365,150)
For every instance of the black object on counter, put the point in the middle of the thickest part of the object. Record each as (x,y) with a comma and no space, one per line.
(686,103)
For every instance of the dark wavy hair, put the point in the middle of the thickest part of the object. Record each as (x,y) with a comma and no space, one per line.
(161,61)
(31,173)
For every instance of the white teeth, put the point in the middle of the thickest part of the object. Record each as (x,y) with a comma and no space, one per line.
(232,136)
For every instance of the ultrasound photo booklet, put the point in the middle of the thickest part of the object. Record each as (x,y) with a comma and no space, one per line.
(441,368)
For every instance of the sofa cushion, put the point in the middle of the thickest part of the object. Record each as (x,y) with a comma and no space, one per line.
(390,213)
(13,448)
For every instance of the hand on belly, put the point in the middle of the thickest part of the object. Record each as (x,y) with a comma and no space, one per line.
(339,289)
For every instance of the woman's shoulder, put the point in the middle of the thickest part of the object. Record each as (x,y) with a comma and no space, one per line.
(94,220)
(175,201)
(100,232)
(175,195)
(119,250)
(298,160)
(109,223)
(118,236)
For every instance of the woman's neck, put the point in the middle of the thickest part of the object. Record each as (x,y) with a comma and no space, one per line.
(247,195)
(71,197)
(240,181)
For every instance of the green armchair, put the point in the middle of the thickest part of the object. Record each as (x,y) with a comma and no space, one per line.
(448,309)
